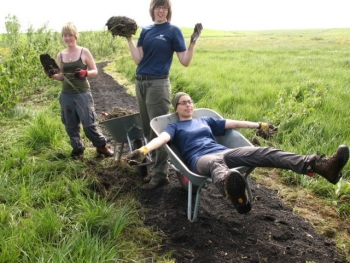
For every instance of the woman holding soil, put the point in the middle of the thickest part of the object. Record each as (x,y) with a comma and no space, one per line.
(153,56)
(77,106)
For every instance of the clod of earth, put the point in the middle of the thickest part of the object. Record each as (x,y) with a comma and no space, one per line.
(116,113)
(121,26)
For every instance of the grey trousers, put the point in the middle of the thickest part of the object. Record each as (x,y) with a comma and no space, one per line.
(153,97)
(217,165)
(76,109)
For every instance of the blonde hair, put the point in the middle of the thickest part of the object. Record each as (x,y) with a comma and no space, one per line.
(155,3)
(70,29)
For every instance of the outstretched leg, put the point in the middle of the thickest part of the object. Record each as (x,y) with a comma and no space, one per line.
(329,168)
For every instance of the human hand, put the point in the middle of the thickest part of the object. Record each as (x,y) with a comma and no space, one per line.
(137,156)
(196,33)
(47,74)
(266,130)
(49,65)
(80,73)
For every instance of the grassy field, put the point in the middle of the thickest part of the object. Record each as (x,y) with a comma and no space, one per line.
(296,80)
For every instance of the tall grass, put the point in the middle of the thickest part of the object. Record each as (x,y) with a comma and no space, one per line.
(296,80)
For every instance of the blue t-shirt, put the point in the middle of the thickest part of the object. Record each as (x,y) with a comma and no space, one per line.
(159,42)
(195,138)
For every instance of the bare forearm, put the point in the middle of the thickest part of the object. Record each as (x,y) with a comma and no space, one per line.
(58,76)
(92,73)
(134,51)
(157,142)
(241,124)
(185,57)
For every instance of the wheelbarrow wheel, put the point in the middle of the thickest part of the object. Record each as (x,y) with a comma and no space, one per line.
(143,170)
(185,182)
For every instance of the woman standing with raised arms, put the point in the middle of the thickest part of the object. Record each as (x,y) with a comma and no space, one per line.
(153,56)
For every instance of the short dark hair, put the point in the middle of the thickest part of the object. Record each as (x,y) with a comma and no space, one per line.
(155,3)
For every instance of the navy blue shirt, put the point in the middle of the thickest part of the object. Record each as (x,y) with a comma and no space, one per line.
(159,42)
(195,138)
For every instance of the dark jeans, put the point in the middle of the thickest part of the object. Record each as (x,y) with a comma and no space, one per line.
(153,97)
(217,165)
(76,109)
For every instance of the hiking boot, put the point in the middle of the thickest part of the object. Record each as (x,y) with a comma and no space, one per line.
(236,190)
(147,178)
(331,167)
(104,151)
(77,155)
(151,185)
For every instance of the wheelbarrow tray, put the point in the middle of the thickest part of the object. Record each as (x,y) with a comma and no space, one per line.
(121,127)
(231,139)
(124,130)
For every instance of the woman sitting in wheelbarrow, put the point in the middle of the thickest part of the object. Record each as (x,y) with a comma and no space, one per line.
(196,142)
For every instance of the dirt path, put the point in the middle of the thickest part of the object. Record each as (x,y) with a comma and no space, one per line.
(269,233)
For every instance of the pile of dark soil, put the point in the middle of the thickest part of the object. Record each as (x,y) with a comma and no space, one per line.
(271,232)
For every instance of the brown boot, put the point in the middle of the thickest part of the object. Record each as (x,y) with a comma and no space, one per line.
(104,151)
(331,167)
(147,178)
(151,185)
(236,190)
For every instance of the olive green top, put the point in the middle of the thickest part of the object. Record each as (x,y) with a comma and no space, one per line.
(72,84)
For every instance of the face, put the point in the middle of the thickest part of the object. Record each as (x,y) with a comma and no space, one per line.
(70,40)
(185,107)
(160,14)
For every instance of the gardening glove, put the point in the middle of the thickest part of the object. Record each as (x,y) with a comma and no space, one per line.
(137,156)
(266,130)
(196,33)
(80,73)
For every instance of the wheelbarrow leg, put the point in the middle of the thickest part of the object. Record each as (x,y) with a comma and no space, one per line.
(196,204)
(120,151)
(115,151)
(248,185)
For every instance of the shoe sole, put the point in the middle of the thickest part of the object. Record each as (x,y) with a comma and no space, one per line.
(236,190)
(343,151)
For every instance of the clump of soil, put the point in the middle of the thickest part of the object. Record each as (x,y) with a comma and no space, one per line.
(121,26)
(110,178)
(116,113)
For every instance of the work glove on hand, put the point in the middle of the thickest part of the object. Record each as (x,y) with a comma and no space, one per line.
(196,33)
(266,130)
(137,156)
(80,73)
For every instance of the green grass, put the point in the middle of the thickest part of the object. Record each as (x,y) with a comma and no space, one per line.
(297,80)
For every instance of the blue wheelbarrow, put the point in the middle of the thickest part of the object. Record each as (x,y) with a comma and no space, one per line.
(193,182)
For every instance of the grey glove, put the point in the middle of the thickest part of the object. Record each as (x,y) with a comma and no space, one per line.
(196,33)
